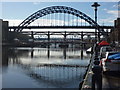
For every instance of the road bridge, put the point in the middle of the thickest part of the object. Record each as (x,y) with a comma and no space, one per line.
(59,17)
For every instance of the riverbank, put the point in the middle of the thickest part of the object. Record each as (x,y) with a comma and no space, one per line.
(87,80)
(110,80)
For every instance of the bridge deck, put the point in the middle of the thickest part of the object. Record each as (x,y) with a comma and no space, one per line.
(59,27)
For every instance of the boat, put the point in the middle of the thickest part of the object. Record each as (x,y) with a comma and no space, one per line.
(89,50)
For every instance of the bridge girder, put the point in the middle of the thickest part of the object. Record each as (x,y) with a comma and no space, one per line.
(56,9)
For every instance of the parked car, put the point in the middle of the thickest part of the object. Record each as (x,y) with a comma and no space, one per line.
(111,62)
(103,51)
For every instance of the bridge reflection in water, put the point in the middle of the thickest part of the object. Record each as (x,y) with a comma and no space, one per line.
(47,68)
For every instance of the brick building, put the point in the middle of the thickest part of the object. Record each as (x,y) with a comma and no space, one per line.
(115,33)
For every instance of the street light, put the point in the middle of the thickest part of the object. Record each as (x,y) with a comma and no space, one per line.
(97,70)
(95,5)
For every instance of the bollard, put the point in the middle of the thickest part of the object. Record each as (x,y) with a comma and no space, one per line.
(96,60)
(97,76)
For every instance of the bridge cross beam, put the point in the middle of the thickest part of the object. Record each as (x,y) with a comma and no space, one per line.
(48,34)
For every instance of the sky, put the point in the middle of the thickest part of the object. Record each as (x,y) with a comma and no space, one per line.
(16,12)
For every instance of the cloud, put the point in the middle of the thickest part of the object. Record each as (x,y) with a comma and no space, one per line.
(107,21)
(14,22)
(115,5)
(105,9)
(42,22)
(113,12)
(47,22)
(36,3)
(119,6)
(59,0)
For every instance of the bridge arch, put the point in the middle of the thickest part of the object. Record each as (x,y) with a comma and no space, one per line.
(55,9)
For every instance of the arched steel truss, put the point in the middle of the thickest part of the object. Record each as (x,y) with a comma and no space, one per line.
(55,9)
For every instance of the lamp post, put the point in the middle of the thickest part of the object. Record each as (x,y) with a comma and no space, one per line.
(97,70)
(95,5)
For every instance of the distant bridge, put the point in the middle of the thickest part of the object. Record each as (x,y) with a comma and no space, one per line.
(64,39)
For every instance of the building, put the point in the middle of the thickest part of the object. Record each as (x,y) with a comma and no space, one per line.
(4,30)
(0,32)
(115,33)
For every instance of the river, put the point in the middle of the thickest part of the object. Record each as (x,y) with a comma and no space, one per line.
(43,67)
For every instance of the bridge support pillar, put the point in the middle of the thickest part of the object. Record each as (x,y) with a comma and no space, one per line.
(82,36)
(65,36)
(64,53)
(48,53)
(48,46)
(55,44)
(65,39)
(32,37)
(82,45)
(82,39)
(98,36)
(48,39)
(32,53)
(82,52)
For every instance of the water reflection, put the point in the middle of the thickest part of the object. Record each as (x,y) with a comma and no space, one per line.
(4,59)
(58,76)
(48,67)
(48,51)
(32,53)
(5,56)
(64,53)
(48,54)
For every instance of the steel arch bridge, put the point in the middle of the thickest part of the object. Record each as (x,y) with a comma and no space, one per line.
(56,9)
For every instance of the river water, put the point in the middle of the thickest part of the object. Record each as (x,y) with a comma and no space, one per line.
(43,67)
